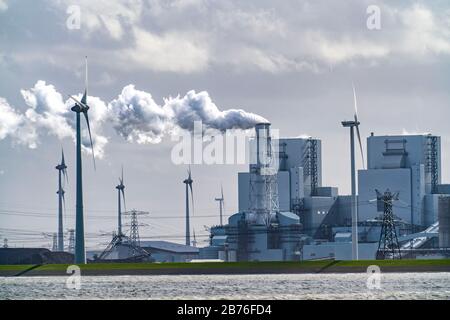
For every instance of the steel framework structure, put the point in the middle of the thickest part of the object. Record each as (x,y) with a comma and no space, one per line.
(388,246)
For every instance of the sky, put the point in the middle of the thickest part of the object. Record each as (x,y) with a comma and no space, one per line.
(156,66)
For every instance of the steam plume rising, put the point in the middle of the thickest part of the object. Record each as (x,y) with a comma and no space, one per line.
(137,117)
(134,115)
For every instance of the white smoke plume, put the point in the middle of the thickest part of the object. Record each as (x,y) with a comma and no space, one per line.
(199,107)
(48,114)
(137,117)
(134,115)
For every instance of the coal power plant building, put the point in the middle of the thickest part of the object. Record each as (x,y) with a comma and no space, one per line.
(286,214)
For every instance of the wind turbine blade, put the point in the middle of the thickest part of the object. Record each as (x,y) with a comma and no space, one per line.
(90,136)
(360,146)
(355,102)
(192,197)
(64,204)
(62,157)
(86,74)
(78,101)
(66,177)
(84,99)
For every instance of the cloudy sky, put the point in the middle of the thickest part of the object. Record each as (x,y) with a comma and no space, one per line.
(155,66)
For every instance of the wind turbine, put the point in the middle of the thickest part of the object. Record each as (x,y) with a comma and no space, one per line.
(188,182)
(221,201)
(78,108)
(120,190)
(354,206)
(62,176)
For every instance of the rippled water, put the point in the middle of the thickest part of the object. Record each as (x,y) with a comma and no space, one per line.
(281,286)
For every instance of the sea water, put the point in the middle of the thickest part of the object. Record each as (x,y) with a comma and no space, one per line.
(275,286)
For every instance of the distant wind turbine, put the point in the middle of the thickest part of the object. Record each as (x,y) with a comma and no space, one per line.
(221,205)
(62,176)
(120,192)
(188,182)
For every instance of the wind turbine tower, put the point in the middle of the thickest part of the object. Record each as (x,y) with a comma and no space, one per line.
(188,182)
(62,175)
(120,195)
(221,201)
(354,205)
(78,108)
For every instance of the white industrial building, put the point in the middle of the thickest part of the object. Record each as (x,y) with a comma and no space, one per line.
(409,165)
(311,221)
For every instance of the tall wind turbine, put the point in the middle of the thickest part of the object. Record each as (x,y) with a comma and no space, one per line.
(62,176)
(120,195)
(354,205)
(78,108)
(188,182)
(220,200)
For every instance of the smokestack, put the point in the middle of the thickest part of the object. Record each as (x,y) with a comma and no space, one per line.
(263,146)
(263,179)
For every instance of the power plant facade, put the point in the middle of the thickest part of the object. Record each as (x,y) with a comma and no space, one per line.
(285,213)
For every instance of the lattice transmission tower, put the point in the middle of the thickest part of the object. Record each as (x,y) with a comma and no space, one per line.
(388,246)
(71,247)
(134,225)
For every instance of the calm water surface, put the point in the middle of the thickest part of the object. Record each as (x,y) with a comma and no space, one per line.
(282,286)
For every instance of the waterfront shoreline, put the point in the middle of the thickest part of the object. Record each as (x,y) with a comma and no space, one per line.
(223,268)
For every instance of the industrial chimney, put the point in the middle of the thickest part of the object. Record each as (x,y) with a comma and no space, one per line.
(263,178)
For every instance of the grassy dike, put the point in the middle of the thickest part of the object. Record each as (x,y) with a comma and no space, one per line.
(324,266)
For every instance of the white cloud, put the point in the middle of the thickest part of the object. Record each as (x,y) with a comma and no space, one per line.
(10,119)
(343,49)
(3,5)
(107,17)
(425,33)
(174,52)
(194,36)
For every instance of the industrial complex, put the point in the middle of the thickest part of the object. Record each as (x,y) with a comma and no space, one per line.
(289,215)
(398,207)
(286,214)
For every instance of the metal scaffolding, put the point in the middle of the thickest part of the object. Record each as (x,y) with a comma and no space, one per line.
(432,162)
(310,164)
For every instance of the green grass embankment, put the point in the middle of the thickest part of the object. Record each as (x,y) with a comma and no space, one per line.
(325,266)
